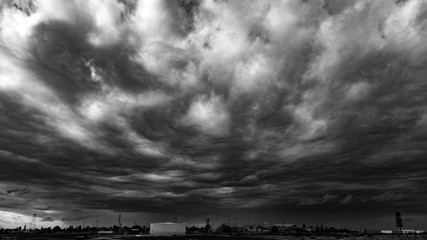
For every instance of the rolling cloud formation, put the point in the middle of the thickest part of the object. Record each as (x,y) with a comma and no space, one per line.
(143,106)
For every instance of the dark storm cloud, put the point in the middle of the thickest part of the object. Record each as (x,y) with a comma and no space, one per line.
(195,107)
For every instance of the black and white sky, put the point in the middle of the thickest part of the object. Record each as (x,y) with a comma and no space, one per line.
(282,111)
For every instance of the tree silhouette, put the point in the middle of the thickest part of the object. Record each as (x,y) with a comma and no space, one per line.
(274,229)
(56,229)
(399,222)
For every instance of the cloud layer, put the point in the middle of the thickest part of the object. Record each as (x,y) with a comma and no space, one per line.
(196,108)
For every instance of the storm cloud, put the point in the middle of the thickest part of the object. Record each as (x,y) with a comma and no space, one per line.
(209,108)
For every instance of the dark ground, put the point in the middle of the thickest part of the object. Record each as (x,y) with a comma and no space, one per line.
(209,237)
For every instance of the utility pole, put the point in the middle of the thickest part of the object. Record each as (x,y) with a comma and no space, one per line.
(399,222)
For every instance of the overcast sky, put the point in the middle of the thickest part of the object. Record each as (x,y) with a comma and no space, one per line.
(282,111)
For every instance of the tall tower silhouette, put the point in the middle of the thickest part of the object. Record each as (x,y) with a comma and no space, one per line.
(120,220)
(399,222)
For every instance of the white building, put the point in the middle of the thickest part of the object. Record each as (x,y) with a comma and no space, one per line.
(167,228)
